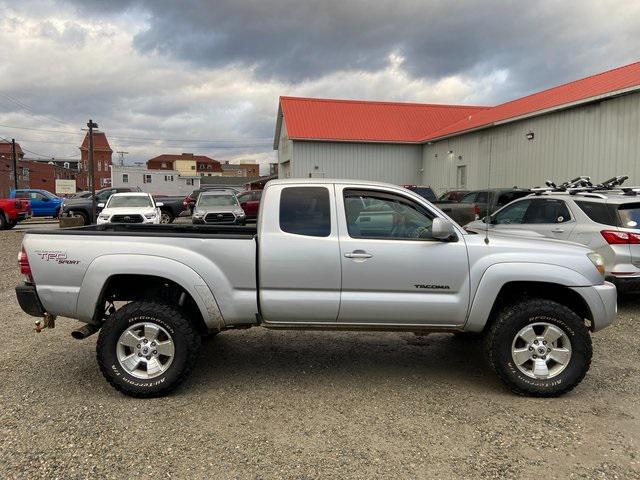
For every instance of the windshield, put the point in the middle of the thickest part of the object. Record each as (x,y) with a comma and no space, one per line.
(629,215)
(129,201)
(217,200)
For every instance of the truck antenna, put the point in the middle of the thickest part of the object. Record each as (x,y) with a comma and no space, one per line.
(487,220)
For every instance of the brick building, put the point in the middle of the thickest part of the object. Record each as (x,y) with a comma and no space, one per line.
(240,170)
(101,159)
(187,164)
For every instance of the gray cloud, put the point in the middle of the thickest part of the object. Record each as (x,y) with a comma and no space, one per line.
(540,43)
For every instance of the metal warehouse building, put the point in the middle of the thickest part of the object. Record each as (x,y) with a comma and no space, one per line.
(586,127)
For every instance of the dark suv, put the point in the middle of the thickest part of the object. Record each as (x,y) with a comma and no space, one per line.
(488,201)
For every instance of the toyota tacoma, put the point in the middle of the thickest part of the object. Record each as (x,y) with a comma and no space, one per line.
(325,255)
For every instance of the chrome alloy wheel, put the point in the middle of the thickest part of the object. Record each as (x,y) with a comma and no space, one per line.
(541,350)
(145,350)
(165,218)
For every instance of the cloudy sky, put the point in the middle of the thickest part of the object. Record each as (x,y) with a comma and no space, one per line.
(167,76)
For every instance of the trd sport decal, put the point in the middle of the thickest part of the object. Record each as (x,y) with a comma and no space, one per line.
(432,287)
(57,257)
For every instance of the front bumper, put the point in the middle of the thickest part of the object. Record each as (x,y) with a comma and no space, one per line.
(602,303)
(28,299)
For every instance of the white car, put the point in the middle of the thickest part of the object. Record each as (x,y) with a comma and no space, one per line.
(130,207)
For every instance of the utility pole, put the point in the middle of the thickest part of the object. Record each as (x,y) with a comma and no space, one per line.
(92,179)
(15,163)
(122,154)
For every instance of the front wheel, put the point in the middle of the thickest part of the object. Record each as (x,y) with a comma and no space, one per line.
(166,217)
(539,348)
(147,349)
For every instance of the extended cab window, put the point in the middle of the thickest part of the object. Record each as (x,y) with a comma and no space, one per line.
(305,211)
(385,216)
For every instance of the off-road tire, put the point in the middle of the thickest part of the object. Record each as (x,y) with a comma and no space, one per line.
(499,337)
(83,215)
(184,335)
(10,225)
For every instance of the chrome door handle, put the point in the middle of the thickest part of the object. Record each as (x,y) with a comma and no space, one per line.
(358,254)
(558,230)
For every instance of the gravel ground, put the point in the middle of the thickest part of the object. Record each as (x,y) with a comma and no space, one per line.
(265,404)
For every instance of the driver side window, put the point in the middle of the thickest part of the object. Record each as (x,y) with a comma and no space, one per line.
(385,216)
(512,214)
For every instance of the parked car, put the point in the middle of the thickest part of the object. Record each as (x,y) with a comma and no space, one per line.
(189,201)
(218,207)
(130,207)
(12,211)
(452,196)
(488,201)
(608,223)
(43,203)
(461,213)
(81,207)
(171,208)
(313,263)
(250,203)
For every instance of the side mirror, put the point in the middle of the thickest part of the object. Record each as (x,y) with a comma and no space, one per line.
(159,204)
(443,230)
(45,199)
(100,205)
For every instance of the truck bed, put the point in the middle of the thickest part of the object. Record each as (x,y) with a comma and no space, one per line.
(163,230)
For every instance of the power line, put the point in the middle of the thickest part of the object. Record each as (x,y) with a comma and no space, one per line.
(30,109)
(124,137)
(40,154)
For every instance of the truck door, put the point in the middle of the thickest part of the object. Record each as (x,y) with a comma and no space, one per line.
(393,272)
(298,254)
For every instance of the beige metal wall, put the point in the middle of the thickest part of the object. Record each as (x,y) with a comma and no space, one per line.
(393,163)
(600,140)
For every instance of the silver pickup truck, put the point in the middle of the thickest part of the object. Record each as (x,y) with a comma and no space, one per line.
(326,255)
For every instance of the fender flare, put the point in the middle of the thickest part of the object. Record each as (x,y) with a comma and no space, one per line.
(106,266)
(498,275)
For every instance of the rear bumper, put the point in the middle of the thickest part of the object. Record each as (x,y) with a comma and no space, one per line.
(602,302)
(630,284)
(29,301)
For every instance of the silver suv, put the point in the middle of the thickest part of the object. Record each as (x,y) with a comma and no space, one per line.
(607,222)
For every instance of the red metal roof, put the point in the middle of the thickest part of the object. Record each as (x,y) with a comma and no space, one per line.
(592,87)
(354,120)
(100,142)
(349,120)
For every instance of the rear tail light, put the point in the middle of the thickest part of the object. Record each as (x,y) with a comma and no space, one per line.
(614,237)
(25,268)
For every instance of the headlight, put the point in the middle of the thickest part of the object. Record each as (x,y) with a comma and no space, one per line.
(150,215)
(598,261)
(103,217)
(240,213)
(198,214)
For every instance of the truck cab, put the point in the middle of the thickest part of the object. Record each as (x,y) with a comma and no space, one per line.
(43,203)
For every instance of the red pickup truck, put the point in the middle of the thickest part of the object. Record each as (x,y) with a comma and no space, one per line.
(12,211)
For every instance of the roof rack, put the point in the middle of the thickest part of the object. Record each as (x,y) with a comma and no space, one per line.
(583,185)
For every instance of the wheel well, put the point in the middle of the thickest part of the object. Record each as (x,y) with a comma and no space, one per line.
(513,292)
(130,288)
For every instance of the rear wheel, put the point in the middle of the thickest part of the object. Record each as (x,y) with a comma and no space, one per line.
(539,348)
(147,349)
(3,221)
